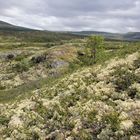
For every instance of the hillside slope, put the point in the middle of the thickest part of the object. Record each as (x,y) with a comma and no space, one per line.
(99,102)
(11,33)
(107,35)
(4,26)
(132,36)
(23,34)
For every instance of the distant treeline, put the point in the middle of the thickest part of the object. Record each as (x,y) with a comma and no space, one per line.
(35,35)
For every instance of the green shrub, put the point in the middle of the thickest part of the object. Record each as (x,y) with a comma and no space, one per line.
(4,120)
(41,109)
(2,87)
(136,128)
(132,92)
(83,134)
(35,136)
(84,57)
(137,63)
(19,58)
(123,79)
(94,43)
(21,67)
(113,120)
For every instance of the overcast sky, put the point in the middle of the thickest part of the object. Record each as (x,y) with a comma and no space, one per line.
(99,15)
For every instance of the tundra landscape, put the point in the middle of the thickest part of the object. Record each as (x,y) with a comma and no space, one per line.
(69,84)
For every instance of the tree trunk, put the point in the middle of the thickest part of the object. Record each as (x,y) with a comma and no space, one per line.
(94,55)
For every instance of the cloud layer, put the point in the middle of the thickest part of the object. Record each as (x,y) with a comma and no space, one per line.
(99,15)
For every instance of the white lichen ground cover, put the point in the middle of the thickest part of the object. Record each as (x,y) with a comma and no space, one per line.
(100,102)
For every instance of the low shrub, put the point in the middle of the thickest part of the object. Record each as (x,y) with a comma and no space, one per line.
(19,57)
(132,92)
(113,120)
(137,63)
(2,87)
(123,79)
(4,120)
(21,67)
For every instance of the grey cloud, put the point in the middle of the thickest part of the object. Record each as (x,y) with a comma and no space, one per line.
(107,15)
(84,6)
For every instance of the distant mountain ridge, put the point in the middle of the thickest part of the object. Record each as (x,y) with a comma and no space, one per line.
(4,26)
(107,35)
(130,36)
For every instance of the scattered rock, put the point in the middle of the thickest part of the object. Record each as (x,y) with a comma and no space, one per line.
(38,59)
(10,56)
(59,64)
(81,53)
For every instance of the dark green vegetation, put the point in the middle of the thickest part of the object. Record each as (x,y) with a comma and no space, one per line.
(94,43)
(109,50)
(35,36)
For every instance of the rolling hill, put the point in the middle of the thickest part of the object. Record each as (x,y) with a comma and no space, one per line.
(34,34)
(12,33)
(131,36)
(4,26)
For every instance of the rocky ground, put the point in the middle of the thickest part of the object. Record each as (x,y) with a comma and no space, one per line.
(22,65)
(98,102)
